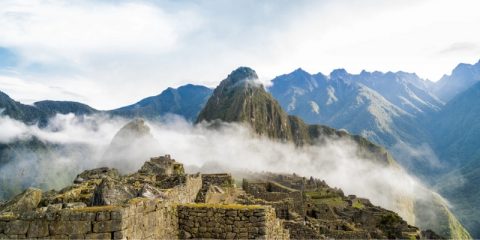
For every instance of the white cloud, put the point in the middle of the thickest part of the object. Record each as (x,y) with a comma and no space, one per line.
(44,31)
(28,92)
(126,50)
(81,143)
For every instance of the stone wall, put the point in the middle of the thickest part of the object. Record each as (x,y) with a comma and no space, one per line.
(280,197)
(140,219)
(300,230)
(186,192)
(229,222)
(222,180)
(148,219)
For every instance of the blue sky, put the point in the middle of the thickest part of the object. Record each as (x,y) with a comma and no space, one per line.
(112,53)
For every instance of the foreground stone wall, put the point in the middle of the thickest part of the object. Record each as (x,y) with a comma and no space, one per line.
(229,222)
(140,219)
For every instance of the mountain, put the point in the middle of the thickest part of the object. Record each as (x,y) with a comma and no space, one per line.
(362,104)
(186,101)
(462,77)
(241,98)
(64,107)
(41,111)
(405,90)
(132,141)
(16,110)
(456,131)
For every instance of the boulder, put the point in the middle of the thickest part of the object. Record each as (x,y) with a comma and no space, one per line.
(97,173)
(112,192)
(25,201)
(151,192)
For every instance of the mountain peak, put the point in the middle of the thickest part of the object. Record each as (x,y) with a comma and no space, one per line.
(242,73)
(338,73)
(300,71)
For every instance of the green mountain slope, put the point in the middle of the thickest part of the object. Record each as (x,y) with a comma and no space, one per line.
(456,131)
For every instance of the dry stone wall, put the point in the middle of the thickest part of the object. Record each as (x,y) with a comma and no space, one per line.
(141,219)
(229,222)
(145,218)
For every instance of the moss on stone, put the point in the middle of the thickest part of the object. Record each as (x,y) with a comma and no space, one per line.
(357,204)
(6,216)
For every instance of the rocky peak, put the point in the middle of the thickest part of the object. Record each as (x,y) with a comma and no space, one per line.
(135,128)
(339,73)
(132,141)
(241,74)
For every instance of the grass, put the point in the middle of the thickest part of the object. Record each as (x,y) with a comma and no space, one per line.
(357,204)
(8,216)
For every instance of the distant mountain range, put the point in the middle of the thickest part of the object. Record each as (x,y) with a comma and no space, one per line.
(186,101)
(431,128)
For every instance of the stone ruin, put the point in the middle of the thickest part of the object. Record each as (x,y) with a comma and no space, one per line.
(161,201)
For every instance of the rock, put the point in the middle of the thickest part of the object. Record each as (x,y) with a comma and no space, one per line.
(112,192)
(25,201)
(78,180)
(54,207)
(74,205)
(429,234)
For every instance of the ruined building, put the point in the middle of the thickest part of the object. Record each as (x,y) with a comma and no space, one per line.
(161,201)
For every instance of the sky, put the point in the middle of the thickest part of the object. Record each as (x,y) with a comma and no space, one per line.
(113,53)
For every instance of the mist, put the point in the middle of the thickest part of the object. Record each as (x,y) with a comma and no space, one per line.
(71,144)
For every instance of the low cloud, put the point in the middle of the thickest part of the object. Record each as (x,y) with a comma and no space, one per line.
(70,144)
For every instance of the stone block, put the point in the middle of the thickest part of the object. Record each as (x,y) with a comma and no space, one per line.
(77,236)
(99,236)
(16,227)
(38,229)
(117,215)
(119,235)
(69,227)
(108,226)
(103,216)
(61,236)
(231,235)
